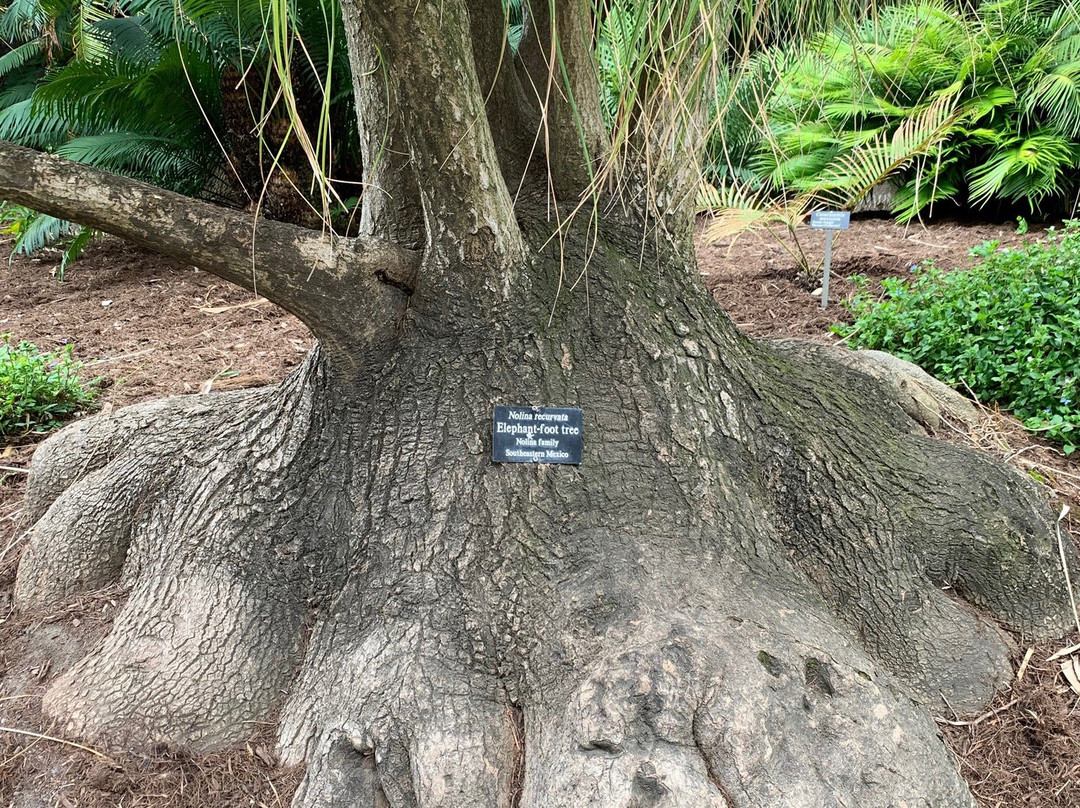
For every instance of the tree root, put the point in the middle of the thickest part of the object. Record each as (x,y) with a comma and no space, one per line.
(885,528)
(190,504)
(498,638)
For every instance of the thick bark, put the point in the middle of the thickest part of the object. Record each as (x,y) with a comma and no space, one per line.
(391,206)
(469,218)
(738,599)
(733,601)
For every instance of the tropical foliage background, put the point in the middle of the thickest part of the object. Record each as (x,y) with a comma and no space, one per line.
(816,103)
(232,100)
(978,105)
(812,103)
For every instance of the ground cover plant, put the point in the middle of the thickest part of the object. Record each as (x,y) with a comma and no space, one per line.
(1006,330)
(39,390)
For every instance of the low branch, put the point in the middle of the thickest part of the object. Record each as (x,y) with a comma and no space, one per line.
(310,274)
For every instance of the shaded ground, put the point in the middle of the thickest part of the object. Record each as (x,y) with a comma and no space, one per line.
(151,327)
(757,281)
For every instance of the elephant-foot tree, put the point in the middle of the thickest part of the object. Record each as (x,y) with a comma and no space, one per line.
(746,594)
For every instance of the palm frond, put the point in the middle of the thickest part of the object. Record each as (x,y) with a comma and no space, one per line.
(41,231)
(735,209)
(853,175)
(41,131)
(1029,169)
(21,55)
(1057,95)
(21,20)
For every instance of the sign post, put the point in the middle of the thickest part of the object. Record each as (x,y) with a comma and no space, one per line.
(829,220)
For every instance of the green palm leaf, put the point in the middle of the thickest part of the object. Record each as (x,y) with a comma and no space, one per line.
(21,55)
(1027,169)
(1057,96)
(852,175)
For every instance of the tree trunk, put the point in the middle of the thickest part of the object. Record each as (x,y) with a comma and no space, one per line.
(749,592)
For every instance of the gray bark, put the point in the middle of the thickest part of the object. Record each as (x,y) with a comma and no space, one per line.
(559,78)
(735,601)
(749,593)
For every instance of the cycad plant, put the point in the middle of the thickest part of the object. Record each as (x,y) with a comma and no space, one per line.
(977,105)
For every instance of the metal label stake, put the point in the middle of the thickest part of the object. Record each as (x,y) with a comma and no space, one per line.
(829,221)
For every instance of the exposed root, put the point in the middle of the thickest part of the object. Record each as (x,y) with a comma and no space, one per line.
(881,526)
(395,716)
(740,622)
(199,506)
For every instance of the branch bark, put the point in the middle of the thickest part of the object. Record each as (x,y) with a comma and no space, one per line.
(429,56)
(513,120)
(304,272)
(558,68)
(391,203)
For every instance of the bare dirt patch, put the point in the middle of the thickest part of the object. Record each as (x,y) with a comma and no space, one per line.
(151,327)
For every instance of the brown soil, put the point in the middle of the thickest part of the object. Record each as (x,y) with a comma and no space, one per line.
(757,279)
(150,327)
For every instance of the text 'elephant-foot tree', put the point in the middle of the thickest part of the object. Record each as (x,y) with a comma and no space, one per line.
(746,594)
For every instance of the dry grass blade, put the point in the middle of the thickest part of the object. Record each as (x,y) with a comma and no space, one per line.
(54,739)
(1023,665)
(1065,566)
(1064,652)
(976,721)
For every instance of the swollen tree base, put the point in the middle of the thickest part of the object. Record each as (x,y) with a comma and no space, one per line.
(748,594)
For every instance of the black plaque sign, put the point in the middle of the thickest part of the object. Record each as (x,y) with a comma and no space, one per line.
(536,435)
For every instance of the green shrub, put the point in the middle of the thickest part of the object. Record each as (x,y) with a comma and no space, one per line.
(1007,329)
(38,391)
(1009,71)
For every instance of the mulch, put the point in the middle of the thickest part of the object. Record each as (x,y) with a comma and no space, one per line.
(149,327)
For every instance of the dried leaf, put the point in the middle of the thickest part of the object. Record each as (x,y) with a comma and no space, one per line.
(1070,668)
(222,309)
(1064,652)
